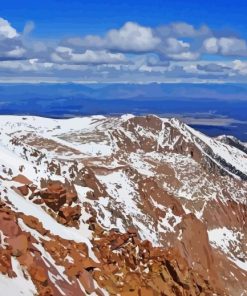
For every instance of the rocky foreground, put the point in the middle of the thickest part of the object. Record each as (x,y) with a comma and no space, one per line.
(120,206)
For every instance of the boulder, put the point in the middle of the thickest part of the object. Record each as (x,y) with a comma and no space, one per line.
(18,244)
(86,280)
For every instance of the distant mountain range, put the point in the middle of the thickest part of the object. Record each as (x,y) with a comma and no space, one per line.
(125,91)
(211,108)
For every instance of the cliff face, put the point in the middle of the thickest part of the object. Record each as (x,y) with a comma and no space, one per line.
(120,206)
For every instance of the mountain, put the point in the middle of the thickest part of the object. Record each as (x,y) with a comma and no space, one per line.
(130,205)
(233,141)
(109,91)
(213,109)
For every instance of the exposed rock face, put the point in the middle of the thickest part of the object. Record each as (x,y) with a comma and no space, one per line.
(121,206)
(156,271)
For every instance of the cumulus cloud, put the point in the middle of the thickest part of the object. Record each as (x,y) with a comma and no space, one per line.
(131,37)
(182,29)
(15,53)
(11,46)
(131,53)
(240,67)
(211,45)
(226,46)
(136,39)
(176,46)
(6,30)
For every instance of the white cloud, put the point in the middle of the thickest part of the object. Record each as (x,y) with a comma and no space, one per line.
(176,46)
(11,46)
(225,46)
(136,39)
(67,55)
(211,45)
(240,66)
(131,53)
(6,30)
(182,29)
(233,46)
(175,71)
(132,37)
(185,56)
(17,52)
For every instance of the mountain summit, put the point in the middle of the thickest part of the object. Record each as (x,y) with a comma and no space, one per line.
(120,206)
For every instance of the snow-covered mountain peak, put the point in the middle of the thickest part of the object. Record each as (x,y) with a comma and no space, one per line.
(116,205)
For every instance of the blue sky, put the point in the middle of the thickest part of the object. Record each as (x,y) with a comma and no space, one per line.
(130,41)
(82,17)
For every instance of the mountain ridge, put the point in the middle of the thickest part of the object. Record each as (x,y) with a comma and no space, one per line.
(128,197)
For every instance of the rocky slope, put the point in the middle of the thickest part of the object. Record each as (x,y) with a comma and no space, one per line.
(120,206)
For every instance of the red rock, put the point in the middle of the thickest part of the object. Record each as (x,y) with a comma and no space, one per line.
(38,201)
(143,291)
(71,197)
(34,223)
(88,263)
(26,260)
(32,187)
(99,292)
(117,243)
(5,262)
(8,224)
(22,179)
(19,244)
(132,230)
(87,178)
(86,280)
(53,200)
(110,268)
(23,189)
(56,195)
(70,214)
(38,274)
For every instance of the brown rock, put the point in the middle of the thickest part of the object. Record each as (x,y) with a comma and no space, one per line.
(5,262)
(8,224)
(144,291)
(88,263)
(26,260)
(22,179)
(87,178)
(19,244)
(117,243)
(132,230)
(86,280)
(34,223)
(38,274)
(70,214)
(38,201)
(24,190)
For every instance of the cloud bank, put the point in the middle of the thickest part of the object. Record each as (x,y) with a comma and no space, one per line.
(176,52)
